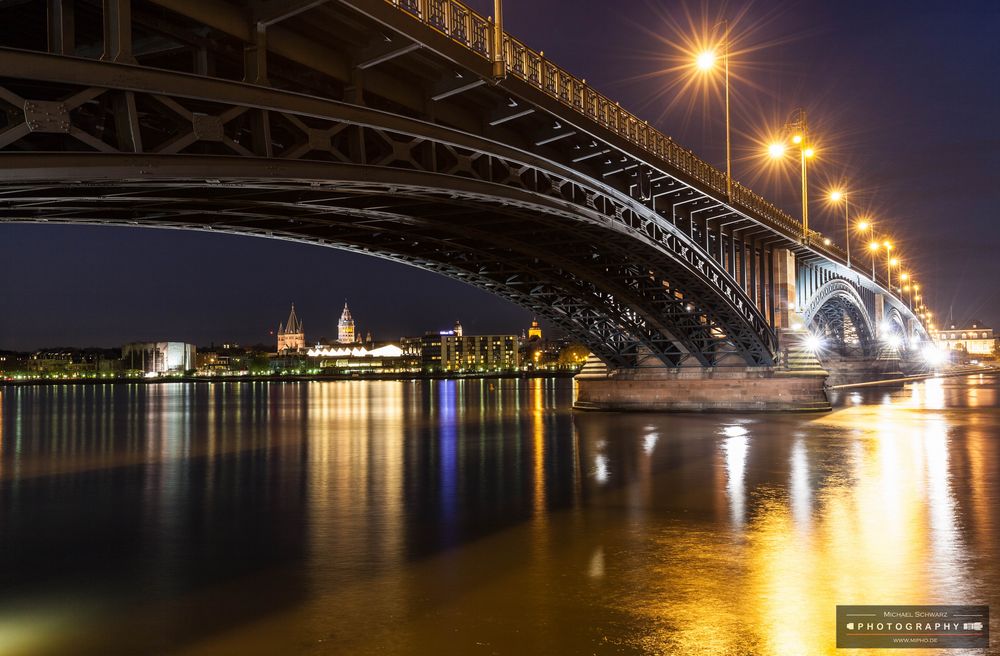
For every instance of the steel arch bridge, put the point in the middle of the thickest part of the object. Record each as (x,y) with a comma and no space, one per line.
(417,131)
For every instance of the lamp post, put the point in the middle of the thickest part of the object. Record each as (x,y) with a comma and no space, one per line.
(805,152)
(706,62)
(873,247)
(836,196)
(888,265)
(799,129)
(868,224)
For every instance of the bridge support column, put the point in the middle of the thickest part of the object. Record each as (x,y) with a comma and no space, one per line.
(879,313)
(695,389)
(784,289)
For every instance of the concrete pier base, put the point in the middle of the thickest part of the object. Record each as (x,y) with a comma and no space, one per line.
(849,371)
(722,389)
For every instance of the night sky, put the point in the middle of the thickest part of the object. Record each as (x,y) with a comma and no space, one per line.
(904,102)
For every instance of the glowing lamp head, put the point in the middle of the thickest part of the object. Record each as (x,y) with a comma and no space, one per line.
(904,276)
(894,261)
(888,245)
(864,225)
(809,152)
(836,196)
(705,60)
(826,241)
(894,341)
(797,139)
(776,150)
(874,246)
(813,343)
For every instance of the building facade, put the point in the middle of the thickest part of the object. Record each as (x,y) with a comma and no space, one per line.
(159,357)
(291,335)
(975,339)
(450,351)
(345,327)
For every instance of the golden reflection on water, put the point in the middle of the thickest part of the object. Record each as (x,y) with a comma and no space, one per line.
(452,517)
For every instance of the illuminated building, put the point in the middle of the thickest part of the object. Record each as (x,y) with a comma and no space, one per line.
(159,357)
(345,327)
(388,359)
(291,336)
(535,331)
(453,351)
(975,339)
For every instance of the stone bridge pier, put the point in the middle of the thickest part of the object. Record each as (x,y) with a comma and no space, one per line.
(796,382)
(832,327)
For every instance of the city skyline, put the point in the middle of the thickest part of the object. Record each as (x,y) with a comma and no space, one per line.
(927,160)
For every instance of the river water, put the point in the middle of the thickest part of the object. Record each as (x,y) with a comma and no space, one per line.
(480,517)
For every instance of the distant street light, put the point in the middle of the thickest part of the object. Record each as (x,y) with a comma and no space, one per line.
(873,247)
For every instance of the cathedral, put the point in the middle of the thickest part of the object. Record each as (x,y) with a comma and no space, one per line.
(291,335)
(345,327)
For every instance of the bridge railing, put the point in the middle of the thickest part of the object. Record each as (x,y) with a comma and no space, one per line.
(474,31)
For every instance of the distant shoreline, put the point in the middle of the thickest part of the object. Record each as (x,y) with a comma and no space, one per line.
(280,379)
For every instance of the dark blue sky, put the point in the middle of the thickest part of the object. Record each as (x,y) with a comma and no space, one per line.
(904,99)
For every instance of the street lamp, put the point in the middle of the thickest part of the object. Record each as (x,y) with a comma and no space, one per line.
(888,264)
(837,196)
(873,247)
(799,129)
(705,61)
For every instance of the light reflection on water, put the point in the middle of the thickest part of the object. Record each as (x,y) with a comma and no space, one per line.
(479,516)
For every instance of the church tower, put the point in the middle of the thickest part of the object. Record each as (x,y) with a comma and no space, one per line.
(345,327)
(291,336)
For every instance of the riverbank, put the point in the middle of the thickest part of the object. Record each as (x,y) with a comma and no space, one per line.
(954,373)
(159,380)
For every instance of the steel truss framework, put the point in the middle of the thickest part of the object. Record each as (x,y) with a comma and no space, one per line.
(530,184)
(837,311)
(842,306)
(174,150)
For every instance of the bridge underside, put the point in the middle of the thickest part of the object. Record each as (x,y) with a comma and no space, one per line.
(604,269)
(624,298)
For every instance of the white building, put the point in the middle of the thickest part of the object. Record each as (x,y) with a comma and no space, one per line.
(159,357)
(974,339)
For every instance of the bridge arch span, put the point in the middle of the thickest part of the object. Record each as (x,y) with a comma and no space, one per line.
(599,279)
(838,313)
